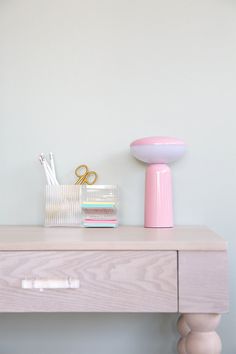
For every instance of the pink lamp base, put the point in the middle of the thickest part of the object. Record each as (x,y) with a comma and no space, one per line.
(158,196)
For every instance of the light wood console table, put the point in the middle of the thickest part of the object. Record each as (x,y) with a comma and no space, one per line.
(128,269)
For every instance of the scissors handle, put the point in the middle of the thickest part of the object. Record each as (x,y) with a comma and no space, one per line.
(90,178)
(81,170)
(85,176)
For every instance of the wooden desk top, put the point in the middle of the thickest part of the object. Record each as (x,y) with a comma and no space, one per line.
(39,238)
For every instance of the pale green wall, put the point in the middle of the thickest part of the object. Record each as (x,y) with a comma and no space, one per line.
(85,78)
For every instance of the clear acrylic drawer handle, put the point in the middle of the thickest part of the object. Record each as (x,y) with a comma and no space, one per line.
(41,284)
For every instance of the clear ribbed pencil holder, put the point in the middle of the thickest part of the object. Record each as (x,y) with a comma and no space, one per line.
(62,205)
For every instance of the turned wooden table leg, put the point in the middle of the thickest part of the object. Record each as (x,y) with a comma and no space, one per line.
(184,330)
(198,334)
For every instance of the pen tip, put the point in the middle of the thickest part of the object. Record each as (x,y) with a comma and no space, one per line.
(41,157)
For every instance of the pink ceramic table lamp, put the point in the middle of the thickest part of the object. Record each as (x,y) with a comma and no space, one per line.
(158,152)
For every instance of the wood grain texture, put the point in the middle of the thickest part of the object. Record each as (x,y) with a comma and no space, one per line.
(38,238)
(203,284)
(110,281)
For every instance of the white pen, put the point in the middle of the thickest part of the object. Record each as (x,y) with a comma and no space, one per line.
(51,159)
(50,174)
(51,179)
(42,161)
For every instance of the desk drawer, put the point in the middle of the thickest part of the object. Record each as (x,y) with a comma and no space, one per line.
(88,281)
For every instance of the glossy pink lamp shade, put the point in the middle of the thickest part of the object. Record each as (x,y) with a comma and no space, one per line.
(158,152)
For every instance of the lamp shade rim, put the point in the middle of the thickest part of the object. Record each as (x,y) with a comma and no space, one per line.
(157,140)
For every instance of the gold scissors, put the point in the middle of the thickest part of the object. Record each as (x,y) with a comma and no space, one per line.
(85,176)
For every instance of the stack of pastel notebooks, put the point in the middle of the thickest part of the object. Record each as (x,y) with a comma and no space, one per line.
(99,214)
(99,205)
